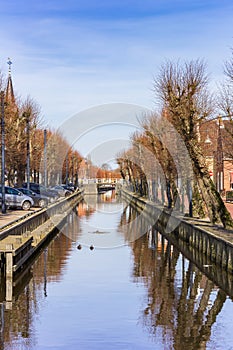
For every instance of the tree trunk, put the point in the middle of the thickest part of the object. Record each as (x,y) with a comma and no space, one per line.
(20,175)
(199,207)
(215,206)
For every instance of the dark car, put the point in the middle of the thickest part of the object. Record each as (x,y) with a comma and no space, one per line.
(69,187)
(41,189)
(39,200)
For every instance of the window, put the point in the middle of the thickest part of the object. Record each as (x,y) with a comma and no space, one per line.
(12,191)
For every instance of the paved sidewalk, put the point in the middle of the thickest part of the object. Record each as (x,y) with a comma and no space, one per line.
(230,208)
(13,215)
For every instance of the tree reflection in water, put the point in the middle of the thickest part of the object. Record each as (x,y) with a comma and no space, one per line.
(182,303)
(17,317)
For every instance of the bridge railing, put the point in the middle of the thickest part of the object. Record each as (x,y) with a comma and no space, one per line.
(86,181)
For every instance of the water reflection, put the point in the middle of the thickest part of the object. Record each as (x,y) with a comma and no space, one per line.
(29,290)
(183,304)
(177,303)
(100,229)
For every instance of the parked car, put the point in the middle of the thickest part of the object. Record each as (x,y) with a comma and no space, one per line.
(16,199)
(39,200)
(41,189)
(62,191)
(68,187)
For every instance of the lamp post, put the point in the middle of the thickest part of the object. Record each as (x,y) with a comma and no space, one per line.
(45,158)
(77,177)
(219,159)
(72,169)
(3,152)
(67,166)
(28,150)
(26,117)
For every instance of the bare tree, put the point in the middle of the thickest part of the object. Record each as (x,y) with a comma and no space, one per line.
(225,104)
(228,68)
(131,170)
(225,99)
(25,125)
(153,138)
(182,89)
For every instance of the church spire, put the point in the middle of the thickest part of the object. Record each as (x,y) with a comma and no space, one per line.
(10,97)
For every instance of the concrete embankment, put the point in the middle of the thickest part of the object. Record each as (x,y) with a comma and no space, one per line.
(212,242)
(20,239)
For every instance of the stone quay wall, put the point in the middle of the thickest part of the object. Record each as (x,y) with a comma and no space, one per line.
(211,241)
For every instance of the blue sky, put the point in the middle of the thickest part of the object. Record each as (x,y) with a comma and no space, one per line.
(71,55)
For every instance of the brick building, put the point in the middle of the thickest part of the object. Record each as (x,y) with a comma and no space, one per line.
(216,139)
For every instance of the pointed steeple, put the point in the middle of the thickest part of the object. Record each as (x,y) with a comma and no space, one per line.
(10,97)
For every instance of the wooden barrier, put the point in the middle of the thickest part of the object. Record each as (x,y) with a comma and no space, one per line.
(31,221)
(19,242)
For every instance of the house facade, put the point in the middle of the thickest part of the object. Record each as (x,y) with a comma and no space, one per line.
(216,139)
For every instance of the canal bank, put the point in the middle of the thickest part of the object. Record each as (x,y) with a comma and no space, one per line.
(22,238)
(211,241)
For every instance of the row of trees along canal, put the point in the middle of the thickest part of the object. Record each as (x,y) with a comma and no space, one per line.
(185,105)
(23,125)
(25,131)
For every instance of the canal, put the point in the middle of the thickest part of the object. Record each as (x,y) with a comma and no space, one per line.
(109,281)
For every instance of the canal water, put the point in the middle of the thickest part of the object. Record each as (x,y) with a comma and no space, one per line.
(110,281)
